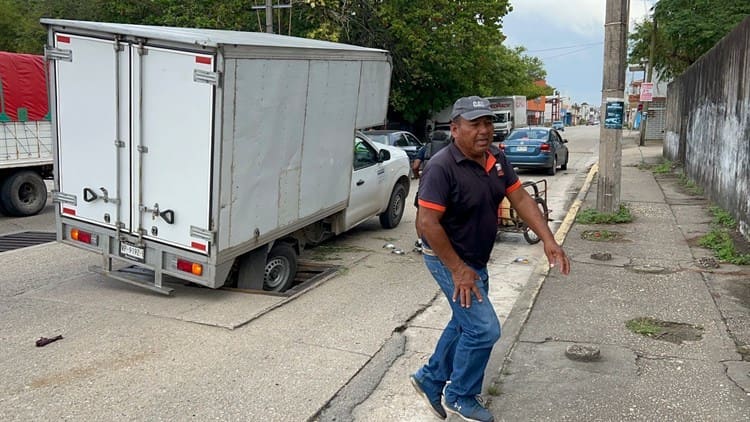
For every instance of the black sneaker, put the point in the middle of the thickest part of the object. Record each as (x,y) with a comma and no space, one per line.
(433,402)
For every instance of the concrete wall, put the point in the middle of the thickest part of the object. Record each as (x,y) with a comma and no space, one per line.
(708,124)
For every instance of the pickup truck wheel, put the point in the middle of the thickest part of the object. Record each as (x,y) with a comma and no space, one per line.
(23,194)
(392,215)
(281,267)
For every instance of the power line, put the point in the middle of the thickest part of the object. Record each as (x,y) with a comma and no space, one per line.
(567,53)
(564,48)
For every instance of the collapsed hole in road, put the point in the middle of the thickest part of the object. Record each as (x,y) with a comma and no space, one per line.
(10,242)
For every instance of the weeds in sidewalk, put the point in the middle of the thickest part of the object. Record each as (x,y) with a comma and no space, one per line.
(724,240)
(674,332)
(690,186)
(665,166)
(592,216)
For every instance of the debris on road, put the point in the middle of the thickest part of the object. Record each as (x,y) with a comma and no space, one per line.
(43,341)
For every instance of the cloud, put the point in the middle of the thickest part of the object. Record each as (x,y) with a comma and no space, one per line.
(582,18)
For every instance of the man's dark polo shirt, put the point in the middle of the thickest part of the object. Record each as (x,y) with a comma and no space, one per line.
(469,196)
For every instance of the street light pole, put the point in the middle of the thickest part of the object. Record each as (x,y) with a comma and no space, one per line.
(613,87)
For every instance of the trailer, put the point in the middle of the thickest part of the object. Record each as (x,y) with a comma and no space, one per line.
(214,156)
(510,113)
(25,135)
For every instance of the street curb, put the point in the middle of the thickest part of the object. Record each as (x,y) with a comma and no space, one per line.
(519,314)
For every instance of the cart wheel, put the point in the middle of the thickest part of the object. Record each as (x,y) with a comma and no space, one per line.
(529,234)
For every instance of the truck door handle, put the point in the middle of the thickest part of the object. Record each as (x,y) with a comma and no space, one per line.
(168,216)
(360,182)
(89,195)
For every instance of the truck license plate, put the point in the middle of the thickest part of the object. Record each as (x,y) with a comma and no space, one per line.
(131,251)
(521,149)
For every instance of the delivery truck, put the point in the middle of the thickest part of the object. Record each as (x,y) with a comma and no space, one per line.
(510,113)
(214,156)
(25,135)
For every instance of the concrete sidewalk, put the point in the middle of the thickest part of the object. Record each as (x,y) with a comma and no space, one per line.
(693,372)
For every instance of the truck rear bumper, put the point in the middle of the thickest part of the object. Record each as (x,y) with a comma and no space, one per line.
(142,263)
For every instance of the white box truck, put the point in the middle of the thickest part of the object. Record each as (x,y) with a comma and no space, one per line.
(510,113)
(213,156)
(25,135)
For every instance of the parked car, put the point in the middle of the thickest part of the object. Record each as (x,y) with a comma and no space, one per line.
(558,125)
(443,127)
(397,138)
(536,147)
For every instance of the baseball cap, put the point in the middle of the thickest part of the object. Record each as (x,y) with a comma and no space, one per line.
(471,108)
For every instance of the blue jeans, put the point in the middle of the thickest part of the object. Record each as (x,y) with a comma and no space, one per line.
(462,353)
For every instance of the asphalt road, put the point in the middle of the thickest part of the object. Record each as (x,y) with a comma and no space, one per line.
(128,354)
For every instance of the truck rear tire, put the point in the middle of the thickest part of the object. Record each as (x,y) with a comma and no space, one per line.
(281,267)
(392,215)
(23,194)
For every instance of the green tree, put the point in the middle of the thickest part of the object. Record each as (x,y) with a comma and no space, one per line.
(441,49)
(685,30)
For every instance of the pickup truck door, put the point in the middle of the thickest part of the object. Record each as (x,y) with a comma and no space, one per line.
(367,181)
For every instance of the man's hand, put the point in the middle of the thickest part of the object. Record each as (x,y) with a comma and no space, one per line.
(464,283)
(557,257)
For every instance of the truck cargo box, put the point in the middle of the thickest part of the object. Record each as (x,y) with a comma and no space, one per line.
(205,144)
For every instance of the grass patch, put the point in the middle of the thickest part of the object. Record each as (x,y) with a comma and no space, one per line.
(721,243)
(690,186)
(644,326)
(494,391)
(720,239)
(665,167)
(592,216)
(325,252)
(722,218)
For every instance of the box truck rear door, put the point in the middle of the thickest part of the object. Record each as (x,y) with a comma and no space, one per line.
(92,103)
(173,94)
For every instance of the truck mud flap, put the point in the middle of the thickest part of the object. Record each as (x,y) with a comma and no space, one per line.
(135,276)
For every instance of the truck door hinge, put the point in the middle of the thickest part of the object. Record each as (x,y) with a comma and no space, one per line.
(142,149)
(204,76)
(52,53)
(200,233)
(119,144)
(66,198)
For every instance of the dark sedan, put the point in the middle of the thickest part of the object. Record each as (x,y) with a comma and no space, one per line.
(397,138)
(536,147)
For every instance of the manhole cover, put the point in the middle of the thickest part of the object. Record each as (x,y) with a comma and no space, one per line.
(14,241)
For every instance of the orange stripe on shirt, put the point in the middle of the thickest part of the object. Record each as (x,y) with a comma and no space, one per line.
(431,205)
(513,187)
(490,164)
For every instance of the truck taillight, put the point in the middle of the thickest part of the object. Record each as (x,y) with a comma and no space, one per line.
(190,267)
(545,147)
(84,237)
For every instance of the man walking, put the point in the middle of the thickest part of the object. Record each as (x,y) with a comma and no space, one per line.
(459,195)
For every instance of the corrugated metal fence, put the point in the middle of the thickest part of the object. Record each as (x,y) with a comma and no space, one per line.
(708,123)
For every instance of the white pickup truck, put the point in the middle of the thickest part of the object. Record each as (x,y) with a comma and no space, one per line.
(214,156)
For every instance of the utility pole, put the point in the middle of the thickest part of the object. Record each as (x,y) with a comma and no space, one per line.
(644,111)
(269,12)
(613,91)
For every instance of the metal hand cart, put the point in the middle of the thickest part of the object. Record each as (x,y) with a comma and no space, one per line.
(508,219)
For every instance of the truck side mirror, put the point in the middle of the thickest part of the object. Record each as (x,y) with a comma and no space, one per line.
(383,155)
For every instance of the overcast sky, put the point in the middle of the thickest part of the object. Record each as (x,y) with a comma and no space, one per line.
(568,35)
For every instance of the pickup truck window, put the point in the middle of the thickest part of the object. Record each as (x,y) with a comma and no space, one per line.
(364,154)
